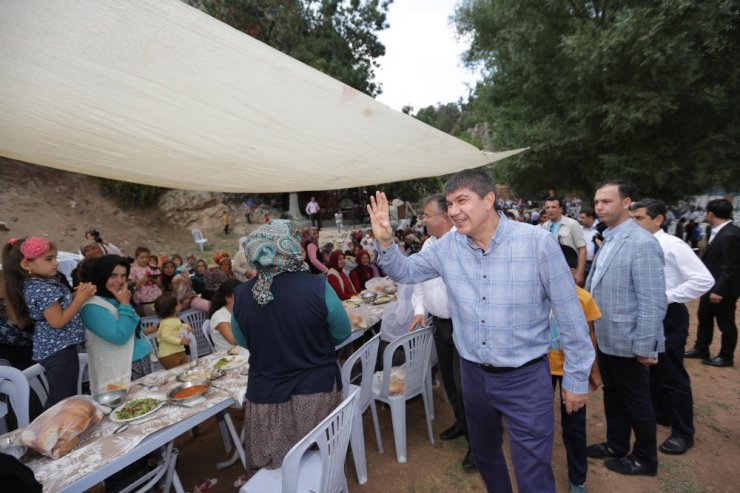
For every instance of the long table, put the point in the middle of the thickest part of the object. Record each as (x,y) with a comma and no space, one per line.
(102,453)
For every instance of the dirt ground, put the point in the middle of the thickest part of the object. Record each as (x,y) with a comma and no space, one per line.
(36,200)
(709,467)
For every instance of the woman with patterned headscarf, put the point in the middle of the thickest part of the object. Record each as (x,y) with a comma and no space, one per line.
(290,320)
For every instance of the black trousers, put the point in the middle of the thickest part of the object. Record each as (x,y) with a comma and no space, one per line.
(315,219)
(573,428)
(62,369)
(628,407)
(724,312)
(669,381)
(449,369)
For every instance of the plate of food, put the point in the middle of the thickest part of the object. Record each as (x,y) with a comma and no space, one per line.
(383,298)
(137,408)
(352,302)
(228,362)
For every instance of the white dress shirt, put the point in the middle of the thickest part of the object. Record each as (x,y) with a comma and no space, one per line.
(588,235)
(716,230)
(430,295)
(686,276)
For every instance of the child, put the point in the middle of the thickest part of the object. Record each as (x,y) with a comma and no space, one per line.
(226,222)
(37,300)
(574,424)
(146,280)
(169,336)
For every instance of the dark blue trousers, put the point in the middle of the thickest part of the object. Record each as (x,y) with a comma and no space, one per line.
(670,382)
(62,369)
(573,427)
(628,408)
(522,399)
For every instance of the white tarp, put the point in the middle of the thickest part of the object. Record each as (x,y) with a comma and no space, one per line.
(157,92)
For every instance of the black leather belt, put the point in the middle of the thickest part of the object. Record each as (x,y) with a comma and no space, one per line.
(503,369)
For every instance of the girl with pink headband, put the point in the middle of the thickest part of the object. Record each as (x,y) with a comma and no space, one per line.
(38,301)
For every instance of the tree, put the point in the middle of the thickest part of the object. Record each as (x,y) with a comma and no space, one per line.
(645,91)
(337,37)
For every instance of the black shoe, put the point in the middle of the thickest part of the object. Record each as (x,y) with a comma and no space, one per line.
(602,451)
(676,445)
(468,462)
(718,361)
(696,354)
(451,433)
(629,467)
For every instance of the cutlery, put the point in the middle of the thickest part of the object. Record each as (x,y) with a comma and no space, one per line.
(125,426)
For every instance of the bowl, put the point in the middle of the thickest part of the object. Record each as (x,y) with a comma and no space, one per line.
(199,389)
(198,374)
(368,296)
(111,399)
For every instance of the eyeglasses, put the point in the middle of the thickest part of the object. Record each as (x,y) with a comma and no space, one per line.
(426,216)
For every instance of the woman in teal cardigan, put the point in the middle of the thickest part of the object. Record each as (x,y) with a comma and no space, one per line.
(111,327)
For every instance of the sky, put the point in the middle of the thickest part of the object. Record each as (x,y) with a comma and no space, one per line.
(422,65)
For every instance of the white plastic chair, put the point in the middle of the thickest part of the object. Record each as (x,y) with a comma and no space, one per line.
(35,375)
(417,347)
(367,356)
(154,363)
(206,328)
(306,470)
(13,384)
(198,238)
(195,319)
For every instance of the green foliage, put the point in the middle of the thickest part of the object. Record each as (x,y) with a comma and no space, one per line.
(337,37)
(127,194)
(645,91)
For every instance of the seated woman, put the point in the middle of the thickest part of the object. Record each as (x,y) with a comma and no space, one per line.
(186,296)
(223,261)
(313,257)
(169,271)
(222,304)
(241,267)
(110,324)
(106,247)
(213,279)
(290,321)
(338,279)
(198,279)
(363,272)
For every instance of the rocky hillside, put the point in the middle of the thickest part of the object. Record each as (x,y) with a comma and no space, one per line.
(35,200)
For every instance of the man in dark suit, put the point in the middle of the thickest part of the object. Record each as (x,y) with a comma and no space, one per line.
(722,258)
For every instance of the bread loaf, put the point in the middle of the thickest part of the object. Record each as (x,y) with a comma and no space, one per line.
(59,429)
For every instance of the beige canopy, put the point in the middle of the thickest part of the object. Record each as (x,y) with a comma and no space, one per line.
(157,92)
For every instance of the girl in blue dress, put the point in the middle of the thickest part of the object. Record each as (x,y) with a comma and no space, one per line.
(37,301)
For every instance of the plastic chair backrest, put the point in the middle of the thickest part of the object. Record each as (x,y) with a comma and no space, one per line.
(367,356)
(147,322)
(37,381)
(14,384)
(417,347)
(332,437)
(195,319)
(197,235)
(83,375)
(206,328)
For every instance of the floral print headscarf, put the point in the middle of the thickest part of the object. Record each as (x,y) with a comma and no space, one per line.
(273,248)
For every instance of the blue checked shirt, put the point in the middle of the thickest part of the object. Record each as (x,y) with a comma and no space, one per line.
(500,299)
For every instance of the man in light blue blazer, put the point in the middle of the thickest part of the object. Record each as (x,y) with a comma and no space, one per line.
(627,281)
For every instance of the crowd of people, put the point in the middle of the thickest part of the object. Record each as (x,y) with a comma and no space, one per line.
(524,303)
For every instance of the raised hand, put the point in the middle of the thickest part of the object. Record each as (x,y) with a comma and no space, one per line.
(380,219)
